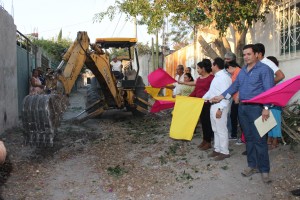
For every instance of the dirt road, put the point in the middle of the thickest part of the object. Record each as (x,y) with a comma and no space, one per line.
(119,156)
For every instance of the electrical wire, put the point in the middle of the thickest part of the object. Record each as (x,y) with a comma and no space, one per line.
(65,26)
(122,28)
(117,25)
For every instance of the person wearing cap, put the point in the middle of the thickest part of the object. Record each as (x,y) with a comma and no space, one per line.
(116,67)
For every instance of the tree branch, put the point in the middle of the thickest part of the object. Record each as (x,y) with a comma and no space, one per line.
(226,44)
(207,50)
(220,46)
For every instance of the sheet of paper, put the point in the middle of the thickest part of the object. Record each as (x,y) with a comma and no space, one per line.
(266,126)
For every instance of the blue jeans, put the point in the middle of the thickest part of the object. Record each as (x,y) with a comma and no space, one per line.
(256,146)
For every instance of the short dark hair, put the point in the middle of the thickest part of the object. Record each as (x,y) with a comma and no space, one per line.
(205,64)
(232,64)
(180,67)
(189,75)
(34,70)
(219,62)
(260,48)
(274,60)
(251,46)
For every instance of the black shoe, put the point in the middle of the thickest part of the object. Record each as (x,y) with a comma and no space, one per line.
(244,153)
(296,192)
(232,138)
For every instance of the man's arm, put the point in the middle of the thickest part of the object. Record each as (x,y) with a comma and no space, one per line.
(171,87)
(227,94)
(268,82)
(279,76)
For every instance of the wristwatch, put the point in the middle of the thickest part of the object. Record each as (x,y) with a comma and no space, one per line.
(266,107)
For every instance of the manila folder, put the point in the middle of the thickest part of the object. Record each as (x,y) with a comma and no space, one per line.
(265,126)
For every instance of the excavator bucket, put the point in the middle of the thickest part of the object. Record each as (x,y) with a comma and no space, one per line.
(41,115)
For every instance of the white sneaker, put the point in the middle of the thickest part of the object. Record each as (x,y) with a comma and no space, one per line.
(239,142)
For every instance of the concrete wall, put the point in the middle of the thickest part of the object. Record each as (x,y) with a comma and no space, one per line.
(8,75)
(145,62)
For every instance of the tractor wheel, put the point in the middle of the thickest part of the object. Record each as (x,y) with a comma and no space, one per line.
(94,94)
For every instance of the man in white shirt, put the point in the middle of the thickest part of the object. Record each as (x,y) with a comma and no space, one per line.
(179,78)
(116,67)
(279,75)
(218,111)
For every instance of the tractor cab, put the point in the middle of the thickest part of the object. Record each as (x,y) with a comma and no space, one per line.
(129,45)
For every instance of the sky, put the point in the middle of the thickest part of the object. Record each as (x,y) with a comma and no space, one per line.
(48,17)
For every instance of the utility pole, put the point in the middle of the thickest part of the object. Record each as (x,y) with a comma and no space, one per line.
(153,58)
(163,45)
(157,51)
(195,46)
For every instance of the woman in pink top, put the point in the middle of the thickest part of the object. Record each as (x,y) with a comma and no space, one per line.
(202,86)
(36,86)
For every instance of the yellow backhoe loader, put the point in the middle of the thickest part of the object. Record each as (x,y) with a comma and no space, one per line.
(42,114)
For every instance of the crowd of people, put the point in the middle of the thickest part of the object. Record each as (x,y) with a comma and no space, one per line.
(224,85)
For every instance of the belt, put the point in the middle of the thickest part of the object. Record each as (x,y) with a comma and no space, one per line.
(242,103)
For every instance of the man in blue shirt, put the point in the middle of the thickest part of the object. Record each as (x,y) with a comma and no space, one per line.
(253,79)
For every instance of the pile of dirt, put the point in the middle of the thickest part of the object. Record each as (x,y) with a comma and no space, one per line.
(119,156)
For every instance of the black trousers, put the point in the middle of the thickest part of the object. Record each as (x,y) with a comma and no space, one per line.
(118,75)
(234,119)
(205,122)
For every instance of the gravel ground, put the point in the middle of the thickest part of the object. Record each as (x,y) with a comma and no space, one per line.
(119,156)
